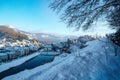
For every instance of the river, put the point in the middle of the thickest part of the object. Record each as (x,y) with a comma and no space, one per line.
(30,64)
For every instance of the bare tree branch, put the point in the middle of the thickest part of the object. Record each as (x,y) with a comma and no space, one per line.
(82,13)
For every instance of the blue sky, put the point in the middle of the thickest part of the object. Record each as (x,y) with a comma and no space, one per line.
(34,16)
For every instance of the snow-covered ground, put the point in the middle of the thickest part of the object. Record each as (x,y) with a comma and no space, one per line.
(97,61)
(16,62)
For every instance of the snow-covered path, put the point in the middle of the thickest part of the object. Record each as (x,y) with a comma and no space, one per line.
(97,61)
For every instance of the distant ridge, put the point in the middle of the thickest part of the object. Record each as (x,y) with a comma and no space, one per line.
(11,32)
(8,31)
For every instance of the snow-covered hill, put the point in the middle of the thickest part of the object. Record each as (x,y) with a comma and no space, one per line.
(97,61)
(10,32)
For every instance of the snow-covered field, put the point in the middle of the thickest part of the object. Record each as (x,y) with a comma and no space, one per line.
(16,62)
(97,61)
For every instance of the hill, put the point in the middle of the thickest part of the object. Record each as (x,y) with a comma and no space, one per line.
(9,32)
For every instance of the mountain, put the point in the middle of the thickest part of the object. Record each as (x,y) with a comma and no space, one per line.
(10,32)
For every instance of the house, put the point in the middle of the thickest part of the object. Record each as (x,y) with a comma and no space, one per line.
(27,50)
(48,47)
(11,55)
(3,57)
(21,51)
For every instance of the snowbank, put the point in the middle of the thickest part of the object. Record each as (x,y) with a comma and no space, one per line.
(97,61)
(5,66)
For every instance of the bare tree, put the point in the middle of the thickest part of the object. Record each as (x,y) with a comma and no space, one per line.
(82,13)
(115,24)
(114,19)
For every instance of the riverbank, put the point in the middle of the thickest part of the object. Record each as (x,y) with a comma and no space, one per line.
(16,62)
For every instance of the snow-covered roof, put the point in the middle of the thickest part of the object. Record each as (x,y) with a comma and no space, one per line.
(2,54)
(11,52)
(47,45)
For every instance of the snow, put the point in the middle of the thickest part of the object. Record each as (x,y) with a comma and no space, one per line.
(12,27)
(2,54)
(2,45)
(44,36)
(97,61)
(8,65)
